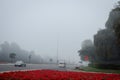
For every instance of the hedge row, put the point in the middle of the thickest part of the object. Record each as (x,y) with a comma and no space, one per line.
(105,66)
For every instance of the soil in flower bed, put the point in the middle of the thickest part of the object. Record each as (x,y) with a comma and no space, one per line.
(56,75)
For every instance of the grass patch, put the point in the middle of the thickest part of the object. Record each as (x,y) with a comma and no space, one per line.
(91,69)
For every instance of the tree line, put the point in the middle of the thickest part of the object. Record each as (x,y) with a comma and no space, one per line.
(105,49)
(12,52)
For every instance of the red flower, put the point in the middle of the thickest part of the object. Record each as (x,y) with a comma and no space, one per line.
(56,75)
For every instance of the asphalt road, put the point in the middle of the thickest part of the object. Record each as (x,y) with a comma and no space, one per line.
(11,67)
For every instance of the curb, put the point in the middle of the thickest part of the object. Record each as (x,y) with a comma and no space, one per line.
(19,70)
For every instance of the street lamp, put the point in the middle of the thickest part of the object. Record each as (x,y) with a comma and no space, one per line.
(57,46)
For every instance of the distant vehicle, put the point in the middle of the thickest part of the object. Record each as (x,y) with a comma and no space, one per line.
(62,64)
(79,65)
(19,64)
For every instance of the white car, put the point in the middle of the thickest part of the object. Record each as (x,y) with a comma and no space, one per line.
(79,65)
(62,64)
(19,64)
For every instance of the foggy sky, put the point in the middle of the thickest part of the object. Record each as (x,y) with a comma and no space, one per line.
(37,24)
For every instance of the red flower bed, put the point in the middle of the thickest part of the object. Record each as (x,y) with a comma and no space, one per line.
(56,75)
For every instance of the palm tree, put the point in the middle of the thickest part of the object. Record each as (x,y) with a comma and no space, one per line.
(12,56)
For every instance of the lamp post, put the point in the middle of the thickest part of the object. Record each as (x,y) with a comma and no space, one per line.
(57,47)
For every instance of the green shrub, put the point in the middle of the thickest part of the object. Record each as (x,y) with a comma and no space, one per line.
(105,66)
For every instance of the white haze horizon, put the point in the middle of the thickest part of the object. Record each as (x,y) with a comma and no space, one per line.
(38,24)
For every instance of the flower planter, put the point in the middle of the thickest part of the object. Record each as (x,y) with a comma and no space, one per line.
(56,75)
